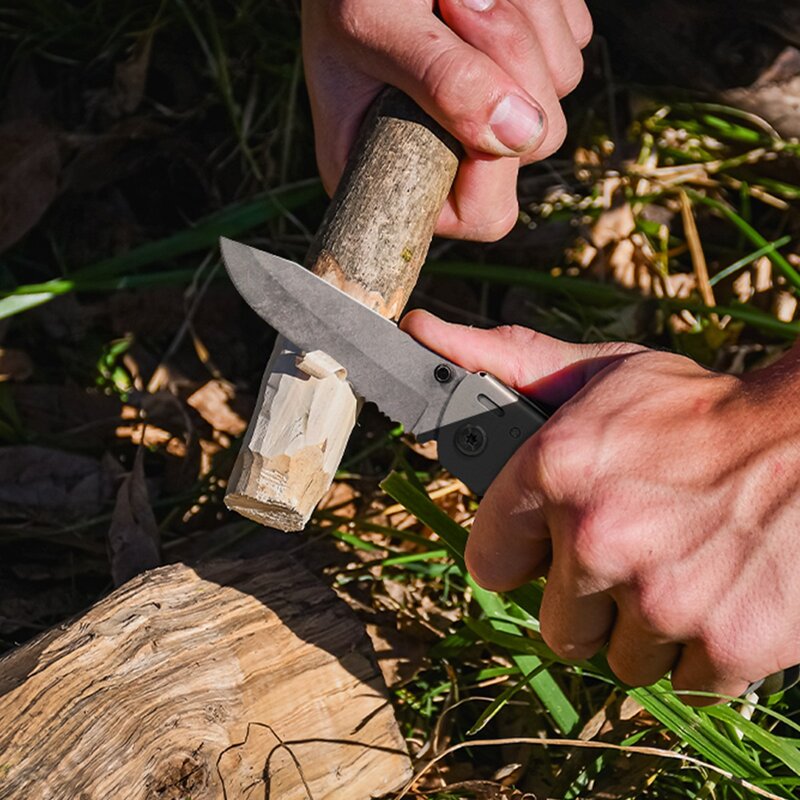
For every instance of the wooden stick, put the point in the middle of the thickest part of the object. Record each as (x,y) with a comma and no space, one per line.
(234,679)
(371,244)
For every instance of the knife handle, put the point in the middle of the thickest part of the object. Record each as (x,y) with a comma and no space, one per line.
(484,424)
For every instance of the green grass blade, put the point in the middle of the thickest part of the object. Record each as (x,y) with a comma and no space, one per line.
(497,704)
(780,262)
(784,751)
(749,259)
(230,222)
(600,293)
(696,731)
(543,683)
(529,652)
(420,505)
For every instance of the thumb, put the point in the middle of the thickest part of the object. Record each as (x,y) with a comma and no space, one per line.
(533,363)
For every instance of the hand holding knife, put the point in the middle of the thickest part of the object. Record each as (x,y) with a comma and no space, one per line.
(477,421)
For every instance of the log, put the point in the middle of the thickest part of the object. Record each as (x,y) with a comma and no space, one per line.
(372,243)
(231,680)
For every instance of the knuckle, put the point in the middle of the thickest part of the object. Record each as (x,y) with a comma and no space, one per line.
(445,74)
(657,608)
(471,216)
(626,671)
(518,39)
(492,231)
(351,20)
(569,76)
(583,29)
(560,458)
(566,646)
(517,341)
(721,654)
(587,542)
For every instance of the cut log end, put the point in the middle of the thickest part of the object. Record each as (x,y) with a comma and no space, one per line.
(234,679)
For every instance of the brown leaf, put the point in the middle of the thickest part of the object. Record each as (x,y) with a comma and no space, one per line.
(613,225)
(212,402)
(133,536)
(30,163)
(400,657)
(40,483)
(775,96)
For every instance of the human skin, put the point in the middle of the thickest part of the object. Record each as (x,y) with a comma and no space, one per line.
(489,71)
(661,501)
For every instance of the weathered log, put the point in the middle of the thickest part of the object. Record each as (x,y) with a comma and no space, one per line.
(371,244)
(234,680)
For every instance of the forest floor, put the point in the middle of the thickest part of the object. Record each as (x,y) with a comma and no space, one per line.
(134,134)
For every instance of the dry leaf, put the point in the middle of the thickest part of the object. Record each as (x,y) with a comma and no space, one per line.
(40,483)
(143,433)
(133,536)
(775,96)
(614,225)
(30,163)
(212,402)
(400,657)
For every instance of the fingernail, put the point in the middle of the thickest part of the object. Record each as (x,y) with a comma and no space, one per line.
(516,122)
(478,5)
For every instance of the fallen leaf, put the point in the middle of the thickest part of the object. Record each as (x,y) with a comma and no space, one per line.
(775,96)
(613,225)
(41,483)
(212,402)
(400,657)
(30,164)
(133,536)
(143,433)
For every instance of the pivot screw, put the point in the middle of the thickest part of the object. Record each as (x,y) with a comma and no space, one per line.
(443,373)
(470,440)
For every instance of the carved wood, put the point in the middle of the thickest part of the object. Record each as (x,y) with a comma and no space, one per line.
(371,244)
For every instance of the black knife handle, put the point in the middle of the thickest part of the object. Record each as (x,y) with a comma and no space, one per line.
(483,425)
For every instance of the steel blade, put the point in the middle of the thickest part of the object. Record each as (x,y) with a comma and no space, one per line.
(384,364)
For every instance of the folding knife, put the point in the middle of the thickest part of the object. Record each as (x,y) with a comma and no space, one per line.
(477,421)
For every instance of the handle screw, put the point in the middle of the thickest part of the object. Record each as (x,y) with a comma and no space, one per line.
(470,440)
(443,373)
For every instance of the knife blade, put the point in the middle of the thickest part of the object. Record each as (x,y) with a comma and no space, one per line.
(384,364)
